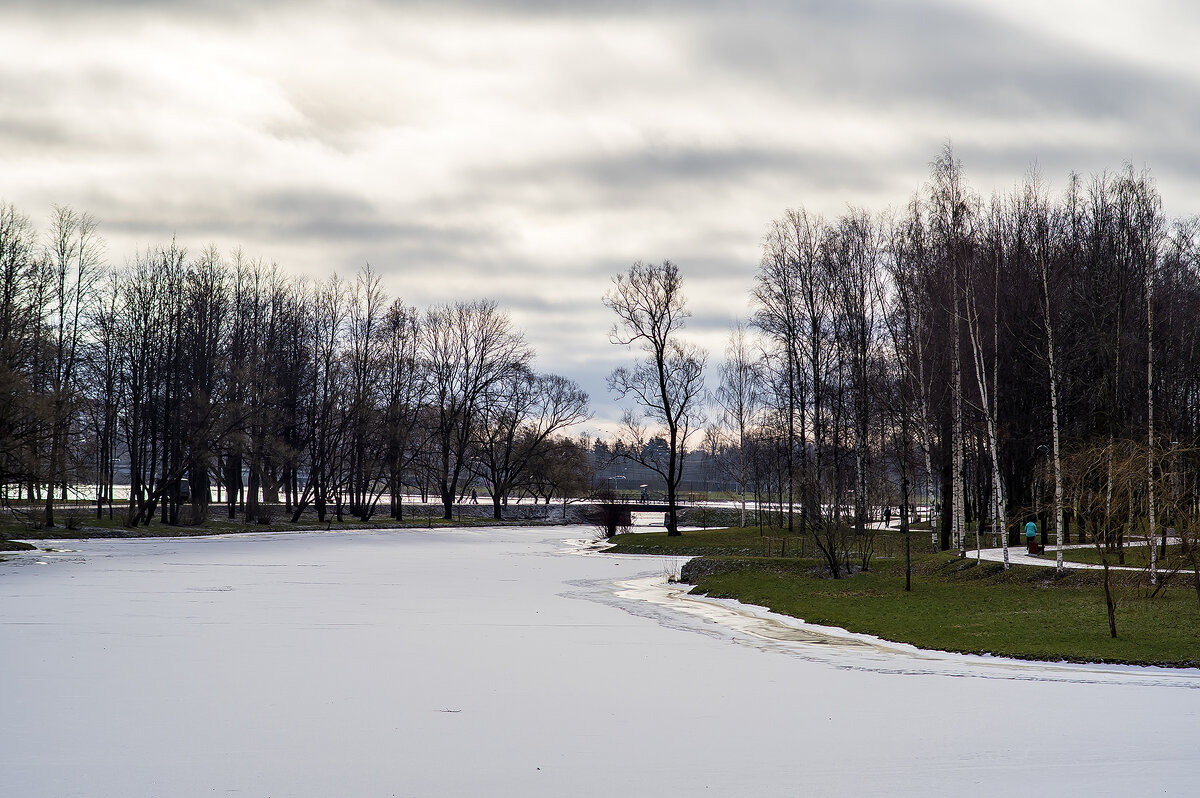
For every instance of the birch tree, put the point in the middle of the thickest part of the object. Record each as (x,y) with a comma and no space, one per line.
(1037,215)
(951,216)
(989,392)
(909,261)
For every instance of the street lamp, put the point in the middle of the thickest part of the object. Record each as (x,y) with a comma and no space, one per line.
(613,486)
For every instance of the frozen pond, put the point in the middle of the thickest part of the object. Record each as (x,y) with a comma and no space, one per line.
(495,662)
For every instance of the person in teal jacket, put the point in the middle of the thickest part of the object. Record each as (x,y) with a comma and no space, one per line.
(1031,538)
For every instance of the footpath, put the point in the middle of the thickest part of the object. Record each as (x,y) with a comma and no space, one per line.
(1017,555)
(1049,558)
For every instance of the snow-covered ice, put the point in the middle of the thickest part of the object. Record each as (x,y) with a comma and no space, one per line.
(499,662)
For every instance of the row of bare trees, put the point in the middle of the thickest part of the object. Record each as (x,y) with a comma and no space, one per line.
(223,375)
(953,353)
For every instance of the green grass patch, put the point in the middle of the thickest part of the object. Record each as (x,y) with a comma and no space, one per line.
(1137,555)
(1026,612)
(736,542)
(752,542)
(15,545)
(957,605)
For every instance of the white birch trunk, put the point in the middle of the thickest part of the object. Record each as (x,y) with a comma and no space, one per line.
(1108,492)
(1058,501)
(960,539)
(998,483)
(989,412)
(926,435)
(930,498)
(742,460)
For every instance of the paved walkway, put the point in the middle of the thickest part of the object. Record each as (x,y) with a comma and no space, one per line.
(1019,556)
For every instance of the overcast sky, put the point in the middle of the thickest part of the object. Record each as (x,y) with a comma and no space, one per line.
(527,151)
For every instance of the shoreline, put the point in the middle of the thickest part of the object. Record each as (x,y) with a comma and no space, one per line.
(160,530)
(760,621)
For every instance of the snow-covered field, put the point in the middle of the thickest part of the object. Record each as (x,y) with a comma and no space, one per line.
(501,662)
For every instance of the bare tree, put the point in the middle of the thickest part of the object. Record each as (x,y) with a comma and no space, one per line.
(789,310)
(106,387)
(1037,215)
(205,423)
(668,383)
(856,251)
(563,467)
(738,398)
(467,348)
(366,441)
(951,215)
(73,254)
(150,322)
(521,412)
(909,263)
(404,389)
(324,397)
(1141,233)
(20,317)
(989,390)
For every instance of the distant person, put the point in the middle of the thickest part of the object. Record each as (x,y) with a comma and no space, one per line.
(887,516)
(645,494)
(1031,543)
(474,496)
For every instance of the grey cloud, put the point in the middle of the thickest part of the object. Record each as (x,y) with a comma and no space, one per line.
(37,111)
(22,132)
(917,55)
(73,9)
(716,168)
(682,174)
(344,223)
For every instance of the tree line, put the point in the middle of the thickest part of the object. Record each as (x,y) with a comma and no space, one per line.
(195,374)
(978,357)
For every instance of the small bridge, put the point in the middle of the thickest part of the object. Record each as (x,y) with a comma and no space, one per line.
(615,514)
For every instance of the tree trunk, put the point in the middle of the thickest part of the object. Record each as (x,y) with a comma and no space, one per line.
(1150,508)
(1058,491)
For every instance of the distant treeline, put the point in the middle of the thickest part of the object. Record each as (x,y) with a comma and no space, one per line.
(195,372)
(998,357)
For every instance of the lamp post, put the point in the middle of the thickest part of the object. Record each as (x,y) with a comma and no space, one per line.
(613,481)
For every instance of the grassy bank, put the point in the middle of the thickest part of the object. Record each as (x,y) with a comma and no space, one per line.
(1137,555)
(14,545)
(955,604)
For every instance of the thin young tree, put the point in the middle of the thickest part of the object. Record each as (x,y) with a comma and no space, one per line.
(1037,213)
(404,388)
(73,260)
(952,211)
(738,397)
(989,390)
